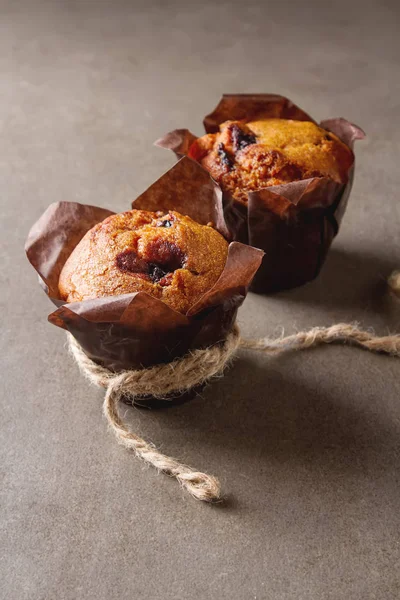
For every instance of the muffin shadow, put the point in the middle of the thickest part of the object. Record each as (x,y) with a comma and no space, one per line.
(348,279)
(262,420)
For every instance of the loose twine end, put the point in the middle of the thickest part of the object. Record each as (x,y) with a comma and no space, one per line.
(197,367)
(180,375)
(394,283)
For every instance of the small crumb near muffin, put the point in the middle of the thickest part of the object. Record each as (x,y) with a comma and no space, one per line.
(169,256)
(245,157)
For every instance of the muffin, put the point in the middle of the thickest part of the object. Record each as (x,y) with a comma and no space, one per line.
(137,330)
(279,182)
(244,157)
(167,255)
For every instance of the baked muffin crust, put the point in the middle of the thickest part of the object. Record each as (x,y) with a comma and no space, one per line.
(245,157)
(169,256)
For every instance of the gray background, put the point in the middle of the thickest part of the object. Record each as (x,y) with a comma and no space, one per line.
(306,445)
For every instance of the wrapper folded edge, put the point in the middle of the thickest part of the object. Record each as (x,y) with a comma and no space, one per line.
(235,107)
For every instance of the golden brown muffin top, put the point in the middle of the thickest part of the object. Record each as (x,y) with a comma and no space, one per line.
(169,256)
(245,157)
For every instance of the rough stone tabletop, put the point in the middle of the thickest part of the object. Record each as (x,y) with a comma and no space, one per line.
(306,445)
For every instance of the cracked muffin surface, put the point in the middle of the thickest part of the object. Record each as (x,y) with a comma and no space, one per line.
(245,157)
(169,256)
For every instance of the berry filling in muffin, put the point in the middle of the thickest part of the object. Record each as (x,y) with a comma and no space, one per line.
(168,256)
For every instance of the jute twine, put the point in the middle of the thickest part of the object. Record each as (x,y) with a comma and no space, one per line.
(198,367)
(394,283)
(178,376)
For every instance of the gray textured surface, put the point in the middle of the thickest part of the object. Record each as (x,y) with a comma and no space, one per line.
(307,446)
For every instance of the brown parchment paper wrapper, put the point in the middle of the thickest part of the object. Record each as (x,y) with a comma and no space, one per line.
(133,330)
(293,223)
